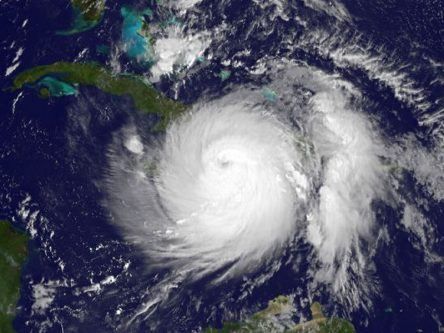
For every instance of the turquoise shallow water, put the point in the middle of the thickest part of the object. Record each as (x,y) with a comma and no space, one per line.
(56,87)
(54,156)
(136,45)
(79,24)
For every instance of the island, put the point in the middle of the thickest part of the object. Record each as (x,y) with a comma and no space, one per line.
(87,14)
(144,96)
(13,253)
(270,320)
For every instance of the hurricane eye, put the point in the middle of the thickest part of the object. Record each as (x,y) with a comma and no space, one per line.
(224,163)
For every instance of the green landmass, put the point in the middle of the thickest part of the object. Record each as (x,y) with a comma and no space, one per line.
(87,14)
(91,10)
(145,97)
(13,253)
(268,321)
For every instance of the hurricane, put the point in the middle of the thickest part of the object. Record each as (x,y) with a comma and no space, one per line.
(201,165)
(232,181)
(229,182)
(237,181)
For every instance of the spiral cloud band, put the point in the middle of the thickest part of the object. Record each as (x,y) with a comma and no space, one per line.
(230,181)
(237,180)
(223,190)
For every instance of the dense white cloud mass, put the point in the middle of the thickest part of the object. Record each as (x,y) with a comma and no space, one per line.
(177,50)
(227,186)
(236,180)
(183,4)
(352,178)
(231,181)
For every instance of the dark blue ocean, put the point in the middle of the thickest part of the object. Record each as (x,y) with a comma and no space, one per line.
(82,274)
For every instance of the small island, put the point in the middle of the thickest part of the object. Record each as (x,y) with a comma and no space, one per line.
(269,320)
(13,253)
(68,75)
